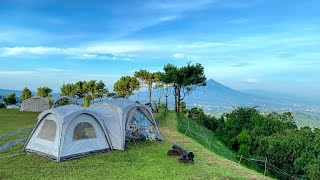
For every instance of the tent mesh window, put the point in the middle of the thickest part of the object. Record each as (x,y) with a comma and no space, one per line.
(48,130)
(140,127)
(83,130)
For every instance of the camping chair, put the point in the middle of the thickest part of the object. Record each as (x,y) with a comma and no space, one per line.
(151,135)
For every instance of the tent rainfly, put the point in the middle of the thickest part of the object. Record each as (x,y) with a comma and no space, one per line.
(124,118)
(68,132)
(35,104)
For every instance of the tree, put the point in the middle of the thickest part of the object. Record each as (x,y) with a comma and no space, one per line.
(80,89)
(10,99)
(183,109)
(167,93)
(141,76)
(44,91)
(147,79)
(68,90)
(159,85)
(100,90)
(26,94)
(184,80)
(125,86)
(244,141)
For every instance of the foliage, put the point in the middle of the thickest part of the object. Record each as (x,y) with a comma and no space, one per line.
(244,142)
(44,91)
(10,99)
(183,109)
(147,79)
(125,86)
(272,135)
(26,94)
(88,91)
(184,80)
(68,90)
(2,105)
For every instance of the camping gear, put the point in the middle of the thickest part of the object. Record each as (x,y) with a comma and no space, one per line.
(68,132)
(126,118)
(185,156)
(35,104)
(72,131)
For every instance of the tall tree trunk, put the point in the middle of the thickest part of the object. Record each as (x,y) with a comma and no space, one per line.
(175,99)
(150,91)
(179,100)
(167,94)
(166,102)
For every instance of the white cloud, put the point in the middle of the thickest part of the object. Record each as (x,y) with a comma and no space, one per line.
(200,45)
(52,78)
(179,56)
(251,80)
(183,56)
(100,51)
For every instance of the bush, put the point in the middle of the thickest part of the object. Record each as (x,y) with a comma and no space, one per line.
(2,105)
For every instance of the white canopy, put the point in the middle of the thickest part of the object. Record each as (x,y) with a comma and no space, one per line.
(67,132)
(72,131)
(35,104)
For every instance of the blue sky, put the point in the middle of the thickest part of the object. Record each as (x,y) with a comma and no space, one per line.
(245,44)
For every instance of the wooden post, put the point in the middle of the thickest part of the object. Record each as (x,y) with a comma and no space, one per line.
(265,168)
(240,159)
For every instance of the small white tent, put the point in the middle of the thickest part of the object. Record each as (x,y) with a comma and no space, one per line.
(13,107)
(68,132)
(123,117)
(35,104)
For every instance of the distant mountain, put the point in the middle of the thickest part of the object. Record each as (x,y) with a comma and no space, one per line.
(276,95)
(5,92)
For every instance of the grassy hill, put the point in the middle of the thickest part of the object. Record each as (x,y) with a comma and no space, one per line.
(144,160)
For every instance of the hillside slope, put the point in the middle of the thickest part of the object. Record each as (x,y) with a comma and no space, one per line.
(143,160)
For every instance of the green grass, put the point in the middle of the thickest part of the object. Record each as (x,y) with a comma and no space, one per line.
(13,120)
(144,160)
(205,137)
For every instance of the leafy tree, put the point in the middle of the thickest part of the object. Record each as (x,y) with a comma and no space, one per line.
(244,141)
(184,80)
(100,90)
(2,105)
(10,99)
(141,76)
(26,94)
(44,91)
(197,115)
(183,109)
(159,85)
(68,90)
(125,86)
(147,79)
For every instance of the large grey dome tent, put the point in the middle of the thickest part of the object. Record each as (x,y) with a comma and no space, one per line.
(35,104)
(68,132)
(123,118)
